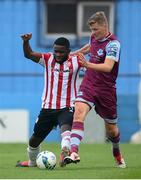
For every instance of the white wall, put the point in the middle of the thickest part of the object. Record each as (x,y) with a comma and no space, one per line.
(94,128)
(14,125)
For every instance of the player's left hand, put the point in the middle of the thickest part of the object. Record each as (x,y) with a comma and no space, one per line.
(26,37)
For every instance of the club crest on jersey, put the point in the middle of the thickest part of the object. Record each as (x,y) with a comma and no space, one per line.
(100,52)
(69,63)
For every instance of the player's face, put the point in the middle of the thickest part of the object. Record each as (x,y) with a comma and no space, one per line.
(60,53)
(99,31)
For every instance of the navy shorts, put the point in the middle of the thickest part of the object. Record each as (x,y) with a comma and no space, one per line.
(51,118)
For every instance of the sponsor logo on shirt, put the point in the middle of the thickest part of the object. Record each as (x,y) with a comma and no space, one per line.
(58,70)
(112,50)
(71,109)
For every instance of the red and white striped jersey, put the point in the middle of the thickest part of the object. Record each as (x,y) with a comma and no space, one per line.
(60,86)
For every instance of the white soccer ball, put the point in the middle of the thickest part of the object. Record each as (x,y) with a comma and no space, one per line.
(46,160)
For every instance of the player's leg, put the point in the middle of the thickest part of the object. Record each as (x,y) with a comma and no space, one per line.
(65,119)
(65,144)
(107,108)
(113,136)
(42,128)
(33,149)
(77,132)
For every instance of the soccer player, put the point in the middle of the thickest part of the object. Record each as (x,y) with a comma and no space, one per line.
(98,87)
(60,89)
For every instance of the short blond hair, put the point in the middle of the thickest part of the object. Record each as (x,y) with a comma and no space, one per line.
(99,17)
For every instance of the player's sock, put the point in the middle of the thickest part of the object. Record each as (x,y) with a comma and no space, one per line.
(116,151)
(77,134)
(115,144)
(65,147)
(32,154)
(65,139)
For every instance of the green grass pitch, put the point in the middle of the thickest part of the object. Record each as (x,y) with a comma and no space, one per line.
(96,163)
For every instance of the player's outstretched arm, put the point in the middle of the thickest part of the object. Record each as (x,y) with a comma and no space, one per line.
(84,50)
(28,53)
(107,66)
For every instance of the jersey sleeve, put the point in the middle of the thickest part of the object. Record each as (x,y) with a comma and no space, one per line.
(113,50)
(45,57)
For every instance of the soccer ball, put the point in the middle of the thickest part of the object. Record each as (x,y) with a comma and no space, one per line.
(46,160)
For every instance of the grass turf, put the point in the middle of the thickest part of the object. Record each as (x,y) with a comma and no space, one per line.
(96,163)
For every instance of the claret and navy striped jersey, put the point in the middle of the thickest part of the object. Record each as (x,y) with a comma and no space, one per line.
(60,86)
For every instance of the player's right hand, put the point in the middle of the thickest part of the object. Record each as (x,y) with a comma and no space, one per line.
(81,59)
(26,37)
